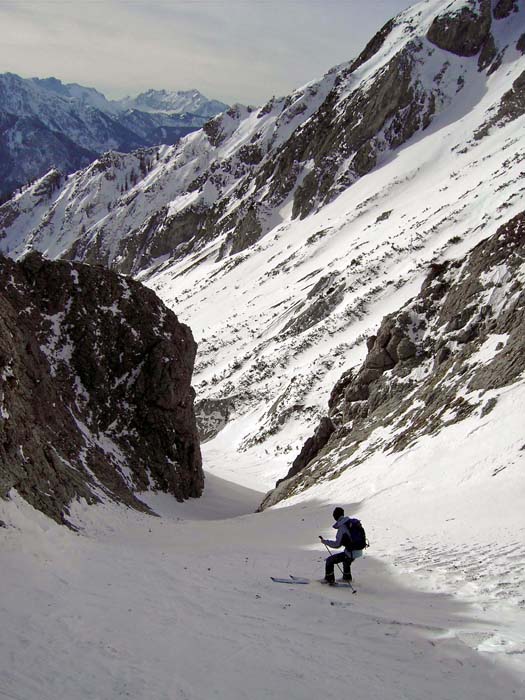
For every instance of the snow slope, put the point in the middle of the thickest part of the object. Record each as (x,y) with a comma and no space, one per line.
(183,607)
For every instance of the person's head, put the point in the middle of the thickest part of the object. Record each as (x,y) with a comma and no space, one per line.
(338,513)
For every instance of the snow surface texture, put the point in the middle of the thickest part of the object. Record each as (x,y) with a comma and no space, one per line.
(183,607)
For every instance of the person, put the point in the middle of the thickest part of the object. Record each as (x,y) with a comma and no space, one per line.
(345,557)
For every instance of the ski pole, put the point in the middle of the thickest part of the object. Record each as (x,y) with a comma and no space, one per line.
(342,574)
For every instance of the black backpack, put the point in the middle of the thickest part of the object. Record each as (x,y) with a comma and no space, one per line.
(357,537)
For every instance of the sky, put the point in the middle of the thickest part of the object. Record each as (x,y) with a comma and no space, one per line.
(232,50)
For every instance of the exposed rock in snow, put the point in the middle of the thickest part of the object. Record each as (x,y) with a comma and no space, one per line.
(443,357)
(212,415)
(462,29)
(503,8)
(95,395)
(311,448)
(512,106)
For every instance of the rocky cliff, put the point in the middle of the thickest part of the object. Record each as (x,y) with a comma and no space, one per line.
(95,394)
(445,356)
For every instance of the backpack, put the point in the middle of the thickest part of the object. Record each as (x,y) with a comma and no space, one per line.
(357,537)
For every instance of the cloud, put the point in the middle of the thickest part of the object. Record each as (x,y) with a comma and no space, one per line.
(235,50)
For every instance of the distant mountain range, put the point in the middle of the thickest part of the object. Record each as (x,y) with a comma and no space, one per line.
(45,123)
(180,102)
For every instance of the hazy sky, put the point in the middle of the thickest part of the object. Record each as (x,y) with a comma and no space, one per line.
(233,50)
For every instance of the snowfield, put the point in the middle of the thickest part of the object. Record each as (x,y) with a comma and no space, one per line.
(182,605)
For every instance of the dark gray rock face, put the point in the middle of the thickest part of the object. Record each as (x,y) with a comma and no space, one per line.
(462,33)
(311,447)
(212,415)
(337,132)
(503,8)
(467,325)
(95,394)
(320,301)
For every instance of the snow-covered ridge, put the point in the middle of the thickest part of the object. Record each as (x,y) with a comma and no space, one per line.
(250,169)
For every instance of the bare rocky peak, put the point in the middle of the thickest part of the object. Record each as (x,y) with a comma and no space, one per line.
(467,325)
(95,394)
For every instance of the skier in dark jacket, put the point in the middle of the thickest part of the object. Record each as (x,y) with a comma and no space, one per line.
(346,556)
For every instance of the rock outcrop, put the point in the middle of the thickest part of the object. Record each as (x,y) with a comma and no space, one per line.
(440,359)
(212,415)
(95,394)
(511,107)
(463,31)
(311,447)
(503,8)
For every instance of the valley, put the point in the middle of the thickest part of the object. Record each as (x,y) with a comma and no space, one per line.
(324,296)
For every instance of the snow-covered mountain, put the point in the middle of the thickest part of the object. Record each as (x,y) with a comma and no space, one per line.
(87,96)
(169,102)
(283,234)
(44,122)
